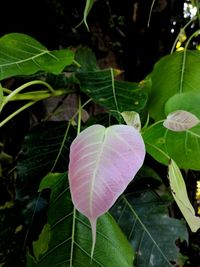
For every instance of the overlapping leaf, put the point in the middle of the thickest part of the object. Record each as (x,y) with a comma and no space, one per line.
(20,54)
(180,195)
(176,73)
(116,96)
(66,238)
(44,147)
(144,218)
(183,147)
(103,161)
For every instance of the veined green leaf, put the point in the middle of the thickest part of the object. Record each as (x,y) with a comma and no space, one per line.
(70,234)
(116,96)
(173,74)
(184,147)
(180,195)
(21,54)
(144,218)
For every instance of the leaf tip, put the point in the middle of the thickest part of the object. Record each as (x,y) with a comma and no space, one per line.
(93,223)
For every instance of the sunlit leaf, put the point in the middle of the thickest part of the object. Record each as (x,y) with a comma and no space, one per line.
(132,118)
(173,74)
(21,54)
(66,238)
(103,161)
(144,218)
(183,147)
(180,195)
(180,120)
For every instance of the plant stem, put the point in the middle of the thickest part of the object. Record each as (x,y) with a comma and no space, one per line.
(17,112)
(24,86)
(183,29)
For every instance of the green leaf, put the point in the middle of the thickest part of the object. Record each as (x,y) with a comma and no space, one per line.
(45,146)
(188,101)
(184,147)
(70,234)
(20,54)
(88,6)
(144,218)
(86,58)
(41,245)
(1,96)
(180,195)
(116,96)
(175,73)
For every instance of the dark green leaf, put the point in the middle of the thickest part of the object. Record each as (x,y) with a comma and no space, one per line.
(40,150)
(69,239)
(116,96)
(86,58)
(20,54)
(153,234)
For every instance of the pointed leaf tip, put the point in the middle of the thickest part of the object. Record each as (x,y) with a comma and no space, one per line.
(180,195)
(103,161)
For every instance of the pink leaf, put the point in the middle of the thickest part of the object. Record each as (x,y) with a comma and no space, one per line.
(103,161)
(180,120)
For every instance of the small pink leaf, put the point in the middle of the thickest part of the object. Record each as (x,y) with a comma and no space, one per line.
(180,120)
(103,161)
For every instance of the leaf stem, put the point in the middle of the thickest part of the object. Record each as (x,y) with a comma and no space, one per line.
(22,87)
(17,112)
(182,29)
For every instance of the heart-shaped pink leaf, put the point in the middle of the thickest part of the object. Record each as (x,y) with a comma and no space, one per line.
(103,161)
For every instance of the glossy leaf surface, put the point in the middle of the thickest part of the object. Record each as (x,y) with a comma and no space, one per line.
(20,54)
(144,218)
(66,238)
(103,161)
(115,96)
(173,74)
(180,195)
(183,147)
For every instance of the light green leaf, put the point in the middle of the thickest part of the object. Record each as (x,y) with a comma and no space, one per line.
(144,218)
(175,73)
(116,96)
(132,118)
(21,54)
(41,245)
(180,195)
(70,234)
(188,101)
(1,96)
(88,6)
(184,147)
